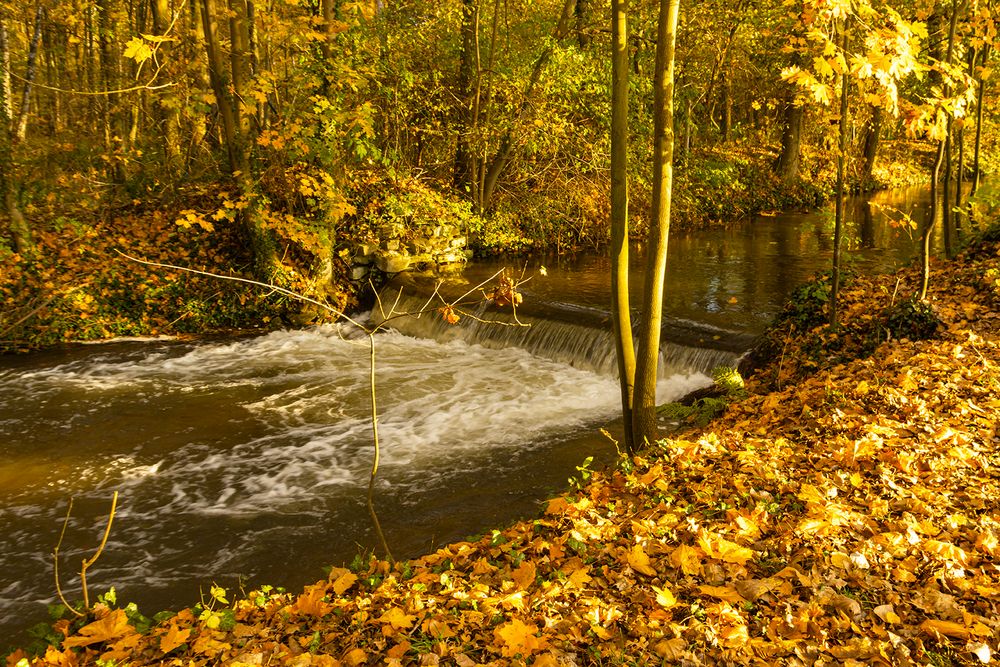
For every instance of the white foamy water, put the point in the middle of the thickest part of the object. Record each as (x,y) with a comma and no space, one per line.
(228,454)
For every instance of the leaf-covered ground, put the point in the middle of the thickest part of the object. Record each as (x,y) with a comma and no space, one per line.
(844,513)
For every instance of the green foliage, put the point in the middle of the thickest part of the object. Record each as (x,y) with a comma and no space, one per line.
(704,409)
(912,319)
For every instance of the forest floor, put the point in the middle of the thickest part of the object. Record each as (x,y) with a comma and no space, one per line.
(846,510)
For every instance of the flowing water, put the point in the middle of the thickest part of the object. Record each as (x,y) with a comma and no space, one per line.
(244,461)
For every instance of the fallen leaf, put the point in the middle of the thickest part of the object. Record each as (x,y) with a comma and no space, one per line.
(639,561)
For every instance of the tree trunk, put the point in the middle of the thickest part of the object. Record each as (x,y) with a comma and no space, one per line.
(647,360)
(946,204)
(261,241)
(500,159)
(464,177)
(928,231)
(164,107)
(19,229)
(976,172)
(727,103)
(21,126)
(841,169)
(873,139)
(791,142)
(582,12)
(620,307)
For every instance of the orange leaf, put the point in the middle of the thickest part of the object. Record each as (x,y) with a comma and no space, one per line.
(639,561)
(112,626)
(524,576)
(174,638)
(518,637)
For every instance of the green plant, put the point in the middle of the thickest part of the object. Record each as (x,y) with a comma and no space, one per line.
(912,319)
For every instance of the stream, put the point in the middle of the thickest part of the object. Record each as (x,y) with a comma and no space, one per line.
(245,460)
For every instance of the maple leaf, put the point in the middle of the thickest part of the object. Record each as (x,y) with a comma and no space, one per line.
(311,602)
(524,576)
(722,549)
(344,582)
(518,637)
(397,618)
(639,561)
(174,637)
(113,626)
(687,559)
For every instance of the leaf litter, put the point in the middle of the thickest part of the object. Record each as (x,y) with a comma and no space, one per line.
(845,512)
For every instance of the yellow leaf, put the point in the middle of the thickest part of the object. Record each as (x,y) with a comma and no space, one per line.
(397,618)
(639,561)
(580,577)
(886,613)
(344,582)
(723,593)
(517,637)
(939,629)
(355,657)
(722,549)
(664,597)
(311,602)
(687,559)
(112,626)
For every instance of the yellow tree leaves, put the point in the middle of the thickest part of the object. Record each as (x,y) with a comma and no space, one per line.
(112,627)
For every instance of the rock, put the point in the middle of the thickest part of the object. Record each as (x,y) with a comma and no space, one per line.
(360,272)
(392,244)
(458,242)
(450,258)
(392,262)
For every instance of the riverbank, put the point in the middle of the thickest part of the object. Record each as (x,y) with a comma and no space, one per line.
(844,511)
(78,287)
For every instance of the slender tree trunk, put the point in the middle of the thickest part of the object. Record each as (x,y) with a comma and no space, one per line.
(582,12)
(164,105)
(5,88)
(727,103)
(464,176)
(502,156)
(21,126)
(647,360)
(946,220)
(928,231)
(841,188)
(19,229)
(622,312)
(261,241)
(976,173)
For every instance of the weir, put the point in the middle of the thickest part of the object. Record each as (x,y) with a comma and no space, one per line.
(579,336)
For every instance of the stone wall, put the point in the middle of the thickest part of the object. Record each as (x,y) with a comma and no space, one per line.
(422,247)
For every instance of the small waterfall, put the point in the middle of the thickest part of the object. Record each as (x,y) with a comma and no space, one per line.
(578,336)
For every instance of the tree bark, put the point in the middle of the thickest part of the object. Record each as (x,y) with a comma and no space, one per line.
(29,76)
(873,139)
(647,359)
(841,187)
(464,176)
(500,159)
(791,142)
(582,12)
(261,241)
(620,307)
(164,107)
(19,229)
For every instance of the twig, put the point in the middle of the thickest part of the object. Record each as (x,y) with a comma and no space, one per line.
(88,563)
(55,562)
(375,459)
